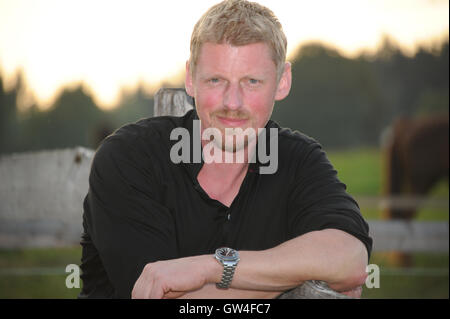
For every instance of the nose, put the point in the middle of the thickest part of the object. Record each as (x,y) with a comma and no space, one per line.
(233,97)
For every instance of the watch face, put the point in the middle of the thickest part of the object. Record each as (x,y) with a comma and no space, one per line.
(227,254)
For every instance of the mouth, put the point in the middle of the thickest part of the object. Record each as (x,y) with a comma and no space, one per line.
(232,122)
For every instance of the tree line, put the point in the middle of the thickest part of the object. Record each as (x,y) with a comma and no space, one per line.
(340,101)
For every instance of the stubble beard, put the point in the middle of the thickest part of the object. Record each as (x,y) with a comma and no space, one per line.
(231,141)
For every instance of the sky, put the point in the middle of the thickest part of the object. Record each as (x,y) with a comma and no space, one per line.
(117,44)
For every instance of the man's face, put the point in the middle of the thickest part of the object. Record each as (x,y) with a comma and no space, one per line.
(236,86)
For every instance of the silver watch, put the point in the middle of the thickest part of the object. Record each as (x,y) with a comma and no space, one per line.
(229,258)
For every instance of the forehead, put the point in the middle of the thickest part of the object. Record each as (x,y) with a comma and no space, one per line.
(228,59)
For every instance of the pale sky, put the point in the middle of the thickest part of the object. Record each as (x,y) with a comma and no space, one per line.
(113,44)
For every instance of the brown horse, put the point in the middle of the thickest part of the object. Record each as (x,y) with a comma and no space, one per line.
(416,158)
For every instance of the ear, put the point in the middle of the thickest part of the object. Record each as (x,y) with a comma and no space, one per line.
(284,85)
(188,81)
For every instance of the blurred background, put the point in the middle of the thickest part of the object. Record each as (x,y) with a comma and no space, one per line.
(370,83)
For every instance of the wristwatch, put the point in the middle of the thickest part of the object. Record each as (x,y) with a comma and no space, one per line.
(229,258)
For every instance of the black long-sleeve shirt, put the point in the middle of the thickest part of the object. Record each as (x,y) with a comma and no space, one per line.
(141,207)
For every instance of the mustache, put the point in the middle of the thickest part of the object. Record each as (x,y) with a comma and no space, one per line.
(237,115)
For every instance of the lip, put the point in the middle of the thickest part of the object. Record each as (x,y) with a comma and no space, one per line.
(231,121)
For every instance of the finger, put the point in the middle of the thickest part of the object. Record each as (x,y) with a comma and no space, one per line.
(138,291)
(141,285)
(142,288)
(156,292)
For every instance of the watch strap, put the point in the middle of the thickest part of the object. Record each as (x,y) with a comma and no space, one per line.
(227,276)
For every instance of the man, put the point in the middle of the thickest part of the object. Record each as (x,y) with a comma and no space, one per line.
(154,226)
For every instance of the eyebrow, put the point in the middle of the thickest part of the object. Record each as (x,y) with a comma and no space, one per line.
(261,76)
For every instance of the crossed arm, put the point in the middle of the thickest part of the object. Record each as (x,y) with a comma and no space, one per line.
(330,255)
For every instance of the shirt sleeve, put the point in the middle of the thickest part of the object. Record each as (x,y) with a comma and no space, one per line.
(318,200)
(127,224)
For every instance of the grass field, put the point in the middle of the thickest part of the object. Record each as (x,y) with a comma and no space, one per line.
(37,273)
(362,171)
(40,273)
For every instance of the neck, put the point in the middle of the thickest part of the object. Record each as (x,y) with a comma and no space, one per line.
(224,172)
(222,180)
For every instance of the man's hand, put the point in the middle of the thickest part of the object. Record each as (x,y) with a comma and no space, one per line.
(173,278)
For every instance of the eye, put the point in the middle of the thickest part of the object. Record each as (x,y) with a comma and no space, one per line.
(252,82)
(213,82)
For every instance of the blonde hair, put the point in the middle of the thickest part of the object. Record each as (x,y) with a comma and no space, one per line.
(239,22)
